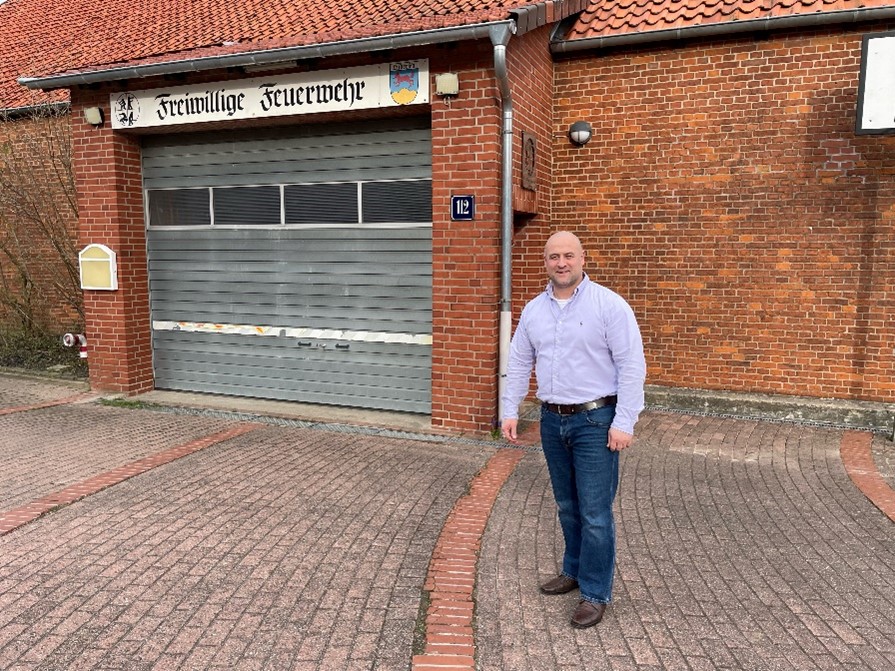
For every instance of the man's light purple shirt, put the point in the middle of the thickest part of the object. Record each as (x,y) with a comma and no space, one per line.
(589,349)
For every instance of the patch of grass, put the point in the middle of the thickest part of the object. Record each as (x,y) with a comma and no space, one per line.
(127,403)
(419,629)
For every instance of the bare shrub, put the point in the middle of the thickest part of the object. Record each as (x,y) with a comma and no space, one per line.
(39,279)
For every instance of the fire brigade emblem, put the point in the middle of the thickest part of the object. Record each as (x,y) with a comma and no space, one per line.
(404,82)
(126,109)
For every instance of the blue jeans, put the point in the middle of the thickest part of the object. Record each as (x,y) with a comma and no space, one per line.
(584,474)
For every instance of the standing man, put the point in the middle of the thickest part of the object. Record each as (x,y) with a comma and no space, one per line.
(584,343)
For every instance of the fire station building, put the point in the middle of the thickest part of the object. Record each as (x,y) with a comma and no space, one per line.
(352,211)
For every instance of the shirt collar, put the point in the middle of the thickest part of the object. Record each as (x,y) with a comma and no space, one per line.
(584,280)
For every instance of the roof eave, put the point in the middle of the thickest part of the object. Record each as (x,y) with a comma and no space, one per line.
(7,113)
(531,17)
(719,29)
(272,56)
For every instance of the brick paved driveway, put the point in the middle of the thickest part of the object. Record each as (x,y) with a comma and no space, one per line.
(281,548)
(742,545)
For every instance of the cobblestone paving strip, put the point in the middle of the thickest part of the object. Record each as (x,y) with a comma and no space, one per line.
(450,639)
(858,460)
(17,517)
(77,398)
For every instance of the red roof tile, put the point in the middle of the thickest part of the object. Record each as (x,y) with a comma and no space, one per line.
(45,37)
(39,38)
(605,18)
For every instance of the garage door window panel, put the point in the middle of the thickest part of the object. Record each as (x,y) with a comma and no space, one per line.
(401,202)
(321,203)
(179,207)
(247,206)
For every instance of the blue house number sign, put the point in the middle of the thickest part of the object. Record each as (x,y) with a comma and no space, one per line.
(462,208)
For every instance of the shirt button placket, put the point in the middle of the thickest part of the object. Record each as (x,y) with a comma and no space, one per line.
(557,354)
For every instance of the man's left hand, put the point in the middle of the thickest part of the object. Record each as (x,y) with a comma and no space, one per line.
(619,440)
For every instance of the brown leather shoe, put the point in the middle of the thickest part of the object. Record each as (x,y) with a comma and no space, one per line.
(561,584)
(588,614)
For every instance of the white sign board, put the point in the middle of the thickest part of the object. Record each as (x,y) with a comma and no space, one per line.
(366,87)
(99,268)
(876,92)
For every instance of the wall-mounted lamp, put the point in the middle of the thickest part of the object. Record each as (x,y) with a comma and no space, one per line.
(94,116)
(580,133)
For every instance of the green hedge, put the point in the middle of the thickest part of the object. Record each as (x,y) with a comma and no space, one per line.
(41,353)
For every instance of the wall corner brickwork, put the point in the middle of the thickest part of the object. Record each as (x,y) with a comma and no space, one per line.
(110,203)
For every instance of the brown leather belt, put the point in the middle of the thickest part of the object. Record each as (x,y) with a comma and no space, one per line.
(574,408)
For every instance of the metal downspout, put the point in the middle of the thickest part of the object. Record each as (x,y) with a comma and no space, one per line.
(500,37)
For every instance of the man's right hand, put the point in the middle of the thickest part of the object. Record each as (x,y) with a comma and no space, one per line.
(508,429)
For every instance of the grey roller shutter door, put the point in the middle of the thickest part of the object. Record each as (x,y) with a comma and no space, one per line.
(294,263)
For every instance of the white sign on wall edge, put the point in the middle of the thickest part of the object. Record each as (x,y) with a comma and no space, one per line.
(392,84)
(876,88)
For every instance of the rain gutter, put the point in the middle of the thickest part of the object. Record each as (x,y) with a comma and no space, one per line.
(500,37)
(731,28)
(267,57)
(19,112)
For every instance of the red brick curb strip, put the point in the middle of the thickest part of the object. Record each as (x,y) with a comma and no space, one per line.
(858,460)
(85,396)
(450,643)
(13,519)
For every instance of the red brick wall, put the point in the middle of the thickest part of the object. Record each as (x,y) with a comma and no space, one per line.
(38,226)
(530,68)
(466,145)
(465,279)
(726,195)
(110,200)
